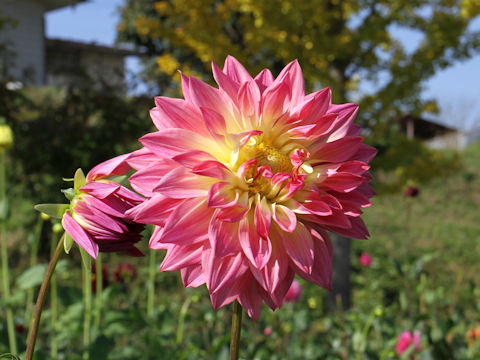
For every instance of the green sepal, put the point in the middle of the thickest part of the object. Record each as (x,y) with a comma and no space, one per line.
(79,179)
(69,193)
(67,242)
(118,178)
(53,210)
(86,259)
(68,179)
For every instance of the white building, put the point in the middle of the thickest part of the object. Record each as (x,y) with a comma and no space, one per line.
(33,59)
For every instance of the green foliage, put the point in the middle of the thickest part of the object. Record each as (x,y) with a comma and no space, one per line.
(411,162)
(341,44)
(59,130)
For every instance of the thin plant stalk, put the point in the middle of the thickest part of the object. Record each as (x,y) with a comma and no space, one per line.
(98,292)
(32,333)
(33,261)
(151,284)
(12,341)
(236,330)
(53,306)
(181,320)
(87,298)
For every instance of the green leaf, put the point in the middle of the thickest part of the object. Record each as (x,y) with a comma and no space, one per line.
(54,210)
(32,277)
(79,179)
(67,242)
(69,193)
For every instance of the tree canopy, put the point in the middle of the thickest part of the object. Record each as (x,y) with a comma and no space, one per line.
(344,44)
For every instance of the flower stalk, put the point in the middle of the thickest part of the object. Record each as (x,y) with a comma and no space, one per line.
(53,306)
(151,284)
(87,303)
(32,334)
(5,273)
(98,292)
(236,330)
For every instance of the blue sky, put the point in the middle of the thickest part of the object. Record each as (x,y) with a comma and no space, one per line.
(457,89)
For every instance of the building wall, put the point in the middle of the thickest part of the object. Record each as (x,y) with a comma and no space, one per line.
(26,40)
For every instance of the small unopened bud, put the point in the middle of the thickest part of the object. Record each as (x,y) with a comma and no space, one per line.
(44,217)
(6,135)
(57,227)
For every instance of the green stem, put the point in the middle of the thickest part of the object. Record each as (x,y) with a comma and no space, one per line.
(98,292)
(32,334)
(87,298)
(5,274)
(152,270)
(33,261)
(181,320)
(54,305)
(236,330)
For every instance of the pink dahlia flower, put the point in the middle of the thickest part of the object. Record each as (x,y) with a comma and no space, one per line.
(124,273)
(407,339)
(244,181)
(96,217)
(365,259)
(294,293)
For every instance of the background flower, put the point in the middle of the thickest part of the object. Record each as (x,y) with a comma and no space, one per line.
(244,181)
(365,259)
(407,339)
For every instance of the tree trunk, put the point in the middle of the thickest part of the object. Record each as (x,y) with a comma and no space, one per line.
(340,294)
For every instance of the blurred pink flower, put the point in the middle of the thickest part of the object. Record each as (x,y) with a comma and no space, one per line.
(407,339)
(267,331)
(365,259)
(412,191)
(294,293)
(96,218)
(124,273)
(244,182)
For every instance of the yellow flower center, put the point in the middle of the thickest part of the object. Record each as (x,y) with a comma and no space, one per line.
(268,155)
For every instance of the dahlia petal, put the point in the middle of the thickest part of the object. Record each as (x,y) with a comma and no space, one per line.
(263,216)
(101,219)
(203,95)
(222,195)
(264,79)
(170,142)
(299,247)
(365,153)
(192,158)
(275,102)
(235,70)
(357,229)
(226,83)
(155,210)
(212,168)
(141,158)
(176,113)
(226,271)
(100,190)
(256,248)
(188,223)
(321,273)
(214,122)
(180,184)
(249,99)
(148,177)
(223,237)
(79,235)
(336,151)
(342,182)
(291,75)
(250,299)
(276,268)
(284,217)
(346,114)
(115,166)
(193,276)
(317,108)
(178,257)
(278,296)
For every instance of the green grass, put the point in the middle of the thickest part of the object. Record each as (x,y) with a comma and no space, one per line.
(444,219)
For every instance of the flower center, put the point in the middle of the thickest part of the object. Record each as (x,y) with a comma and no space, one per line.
(268,155)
